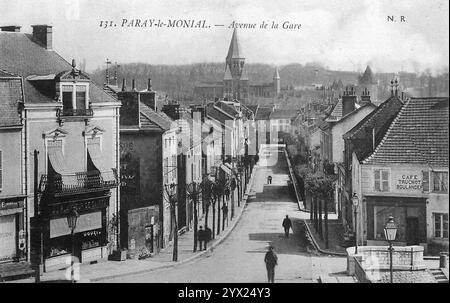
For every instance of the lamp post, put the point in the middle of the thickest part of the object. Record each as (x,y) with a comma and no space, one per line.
(355,201)
(390,232)
(72,222)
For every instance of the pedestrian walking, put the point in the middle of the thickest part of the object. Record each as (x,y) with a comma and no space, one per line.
(201,237)
(271,261)
(269,180)
(287,224)
(225,215)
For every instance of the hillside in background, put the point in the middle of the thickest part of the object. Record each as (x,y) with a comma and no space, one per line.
(178,81)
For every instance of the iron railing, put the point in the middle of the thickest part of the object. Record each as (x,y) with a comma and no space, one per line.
(360,273)
(77,112)
(76,182)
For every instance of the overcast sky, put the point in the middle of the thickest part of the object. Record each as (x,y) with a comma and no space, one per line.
(342,35)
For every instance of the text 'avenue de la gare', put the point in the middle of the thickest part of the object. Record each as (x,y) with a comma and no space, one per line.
(196,23)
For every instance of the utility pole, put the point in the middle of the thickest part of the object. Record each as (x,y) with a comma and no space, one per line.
(326,222)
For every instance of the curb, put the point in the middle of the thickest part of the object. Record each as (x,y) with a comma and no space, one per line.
(316,245)
(294,182)
(210,248)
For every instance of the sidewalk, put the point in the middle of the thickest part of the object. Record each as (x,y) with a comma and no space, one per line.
(112,269)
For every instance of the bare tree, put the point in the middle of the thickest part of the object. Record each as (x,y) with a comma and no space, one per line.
(171,191)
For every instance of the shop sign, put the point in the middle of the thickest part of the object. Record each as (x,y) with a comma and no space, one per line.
(64,208)
(409,182)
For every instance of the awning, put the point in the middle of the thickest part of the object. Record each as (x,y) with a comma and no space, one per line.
(59,227)
(96,157)
(225,169)
(59,165)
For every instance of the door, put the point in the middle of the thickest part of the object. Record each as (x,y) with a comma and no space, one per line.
(412,231)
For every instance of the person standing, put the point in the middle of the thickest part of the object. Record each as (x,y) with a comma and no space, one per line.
(208,235)
(201,237)
(287,224)
(271,261)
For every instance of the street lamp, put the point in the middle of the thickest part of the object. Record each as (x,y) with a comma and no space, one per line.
(390,231)
(72,222)
(355,201)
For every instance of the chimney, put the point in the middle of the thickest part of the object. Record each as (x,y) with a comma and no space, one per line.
(11,28)
(130,109)
(42,34)
(149,97)
(133,85)
(365,96)
(348,101)
(124,84)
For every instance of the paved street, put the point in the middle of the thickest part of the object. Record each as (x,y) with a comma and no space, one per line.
(240,258)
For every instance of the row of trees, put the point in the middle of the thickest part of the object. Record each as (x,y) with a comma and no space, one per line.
(215,195)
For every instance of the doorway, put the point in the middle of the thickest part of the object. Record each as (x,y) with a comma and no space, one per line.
(412,231)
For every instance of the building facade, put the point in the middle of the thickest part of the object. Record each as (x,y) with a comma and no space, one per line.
(407,177)
(73,125)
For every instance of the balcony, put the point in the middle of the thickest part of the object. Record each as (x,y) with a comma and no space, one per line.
(80,182)
(79,112)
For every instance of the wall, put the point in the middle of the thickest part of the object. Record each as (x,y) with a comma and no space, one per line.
(377,257)
(343,126)
(10,146)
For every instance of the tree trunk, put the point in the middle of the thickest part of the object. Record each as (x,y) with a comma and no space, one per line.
(206,215)
(214,219)
(311,207)
(239,194)
(218,215)
(320,219)
(326,223)
(195,224)
(175,235)
(223,214)
(316,217)
(232,204)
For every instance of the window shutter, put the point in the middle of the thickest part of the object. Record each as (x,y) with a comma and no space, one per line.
(385,180)
(377,179)
(425,181)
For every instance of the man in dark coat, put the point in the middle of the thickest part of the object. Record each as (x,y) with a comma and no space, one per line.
(201,237)
(287,224)
(208,235)
(271,261)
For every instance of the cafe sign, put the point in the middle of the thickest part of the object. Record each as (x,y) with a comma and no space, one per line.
(409,182)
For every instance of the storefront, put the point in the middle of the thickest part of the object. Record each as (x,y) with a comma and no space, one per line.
(90,234)
(409,214)
(12,230)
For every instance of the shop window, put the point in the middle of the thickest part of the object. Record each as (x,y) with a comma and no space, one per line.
(381,180)
(440,181)
(440,225)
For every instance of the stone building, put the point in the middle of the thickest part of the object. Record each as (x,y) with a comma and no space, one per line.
(14,230)
(406,177)
(236,84)
(74,125)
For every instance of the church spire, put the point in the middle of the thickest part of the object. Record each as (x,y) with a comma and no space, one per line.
(233,50)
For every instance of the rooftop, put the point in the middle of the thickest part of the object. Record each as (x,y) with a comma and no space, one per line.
(418,135)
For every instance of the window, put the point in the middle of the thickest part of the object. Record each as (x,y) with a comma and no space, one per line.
(74,99)
(1,170)
(440,225)
(381,178)
(440,181)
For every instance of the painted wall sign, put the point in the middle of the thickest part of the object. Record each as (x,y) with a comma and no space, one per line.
(409,182)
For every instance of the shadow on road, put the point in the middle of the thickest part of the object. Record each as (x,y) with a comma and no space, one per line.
(295,244)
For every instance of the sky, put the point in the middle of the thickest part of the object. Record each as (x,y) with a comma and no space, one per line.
(340,34)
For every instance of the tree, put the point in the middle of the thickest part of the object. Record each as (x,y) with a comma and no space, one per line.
(194,191)
(321,188)
(171,191)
